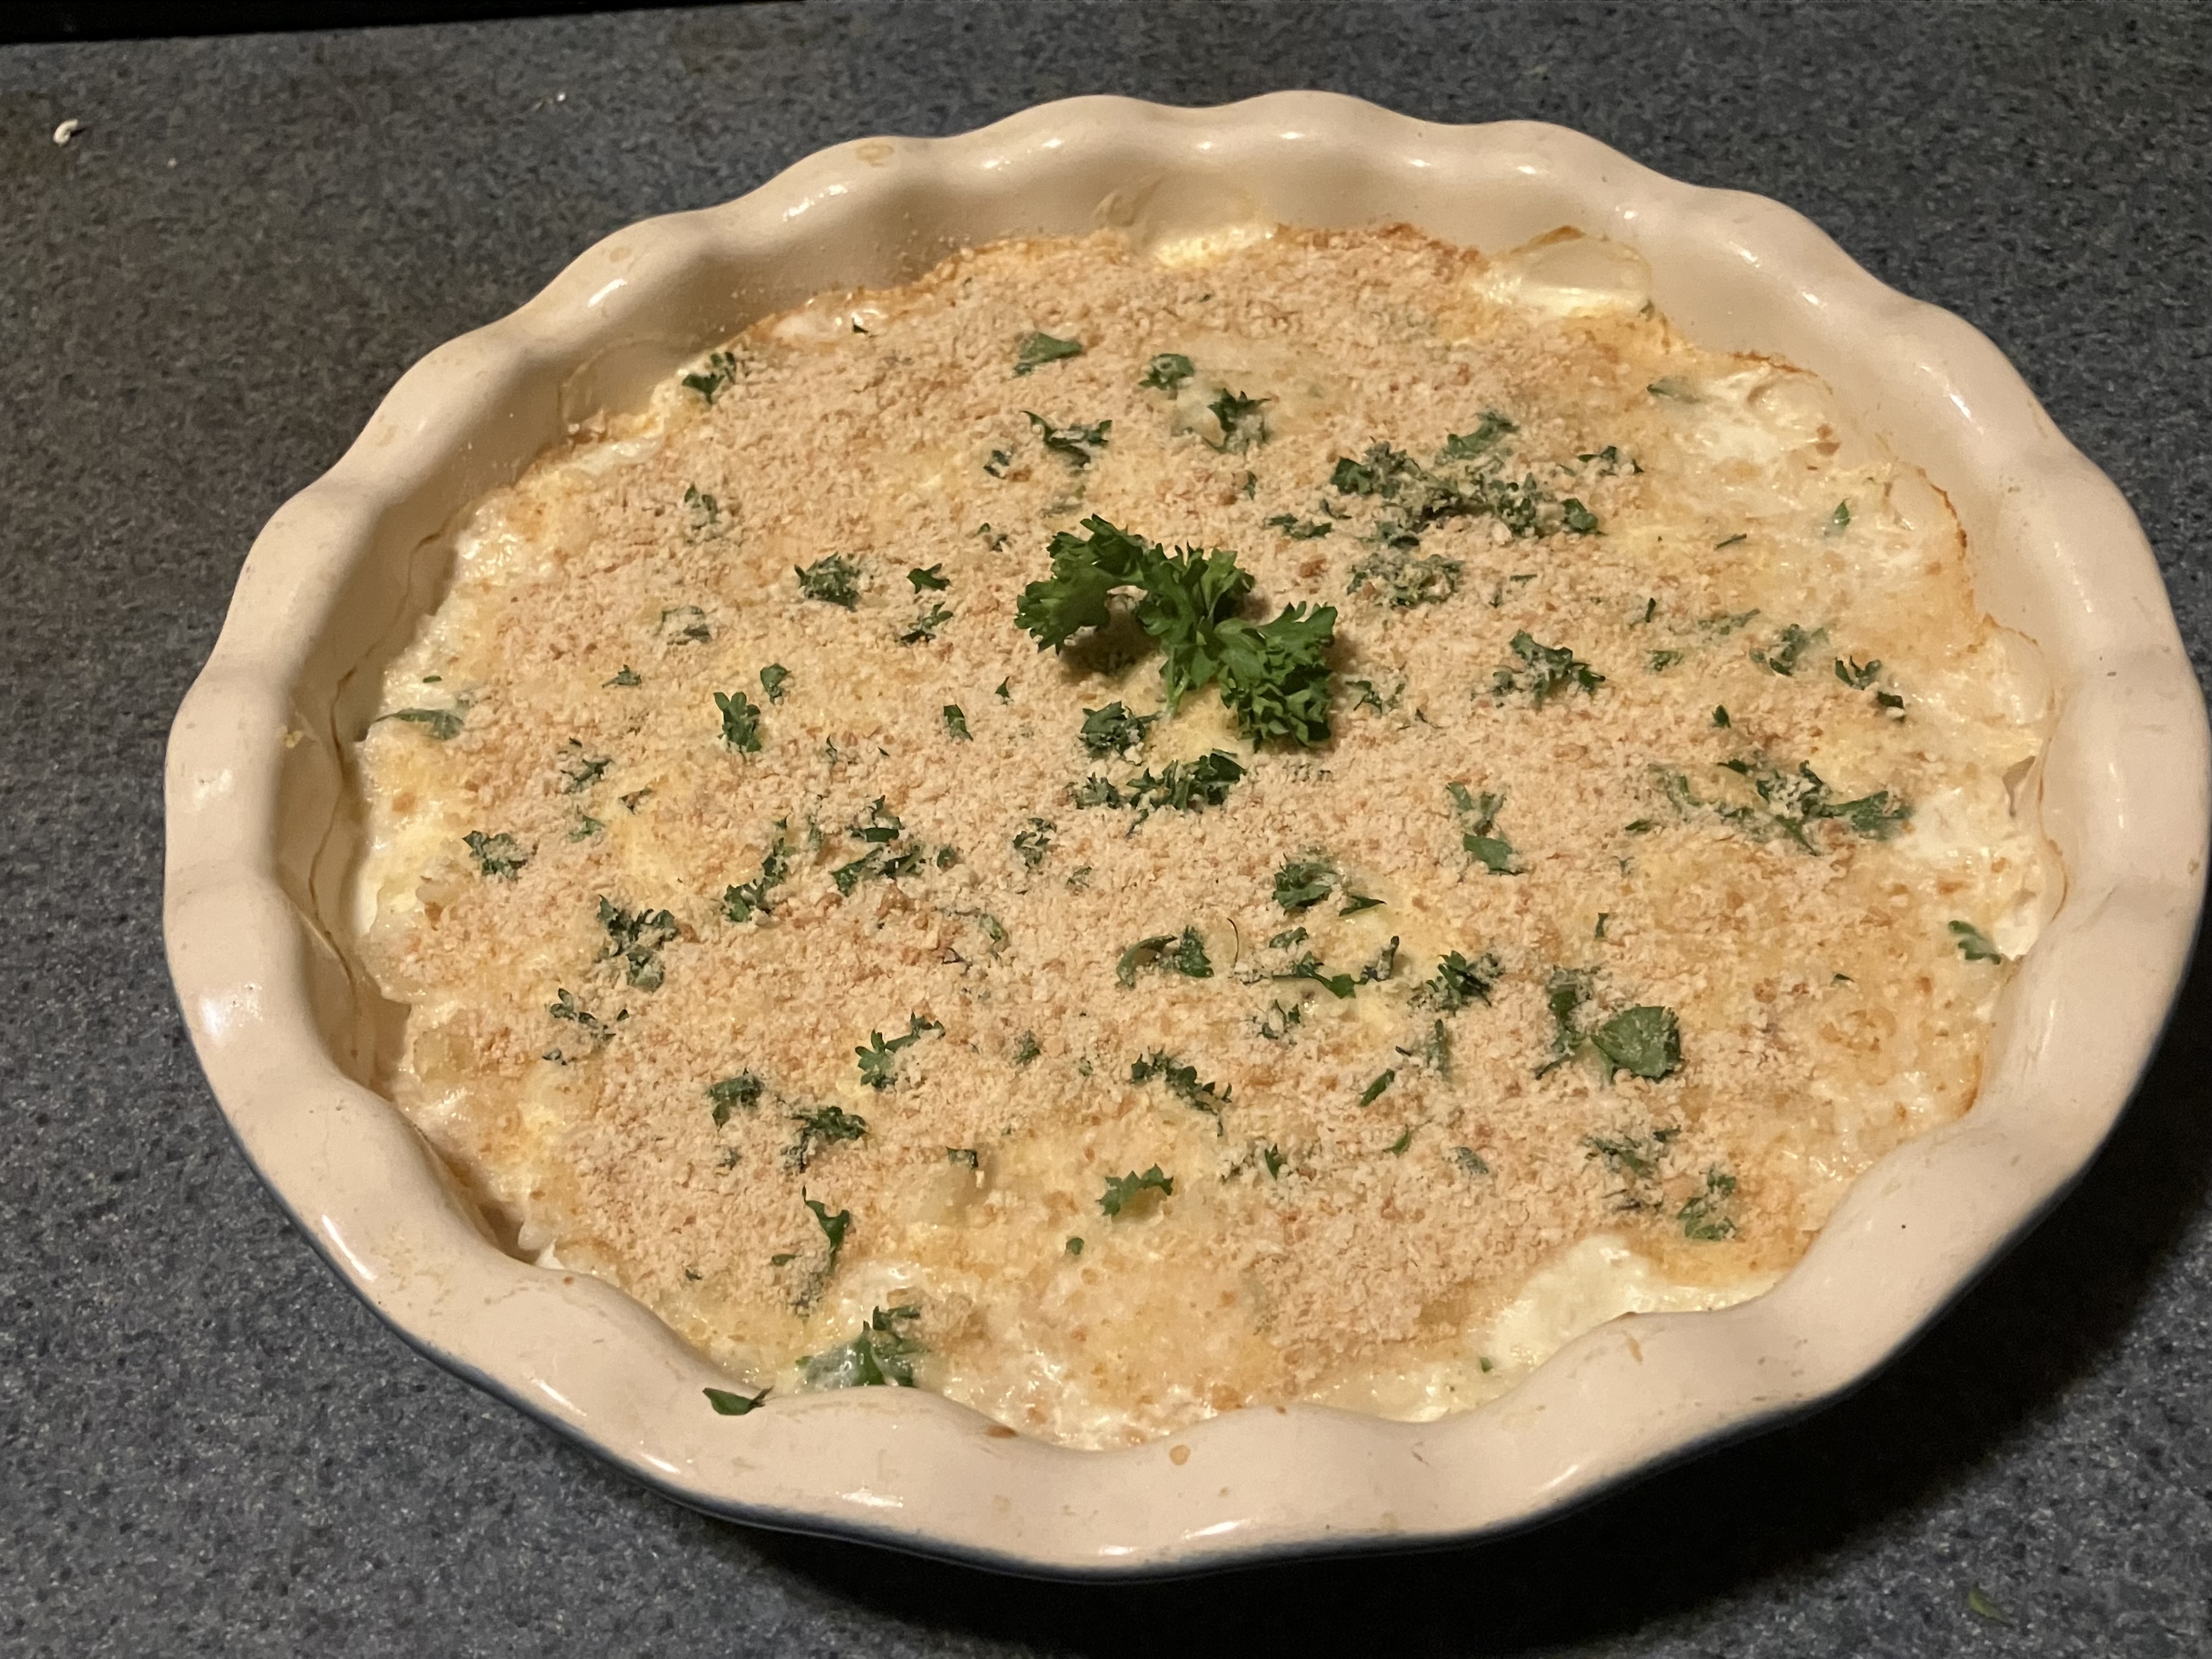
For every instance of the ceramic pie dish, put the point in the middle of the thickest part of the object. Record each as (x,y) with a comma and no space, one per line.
(263,838)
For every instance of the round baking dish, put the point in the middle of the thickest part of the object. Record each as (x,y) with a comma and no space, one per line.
(261,836)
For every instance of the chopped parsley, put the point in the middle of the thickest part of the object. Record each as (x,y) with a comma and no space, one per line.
(1466,445)
(636,938)
(1179,787)
(1660,661)
(1791,644)
(1546,671)
(443,723)
(1645,1042)
(1478,818)
(1113,730)
(967,1156)
(721,371)
(1167,372)
(1402,580)
(1859,675)
(740,721)
(587,827)
(690,626)
(1074,1247)
(1465,479)
(1721,716)
(726,1404)
(1033,843)
(884,862)
(956,723)
(834,1228)
(1000,461)
(1005,692)
(879,1060)
(1077,445)
(932,579)
(583,770)
(1183,1083)
(1041,349)
(1740,536)
(1791,801)
(1243,420)
(702,514)
(820,1128)
(1183,954)
(773,679)
(1458,982)
(741,902)
(1309,966)
(1301,884)
(744,1089)
(1470,1161)
(1840,520)
(1705,1216)
(1397,1148)
(924,625)
(499,855)
(881,1355)
(1298,529)
(626,675)
(595,1030)
(1274,676)
(1373,1091)
(834,580)
(1973,943)
(1124,1191)
(1027,1049)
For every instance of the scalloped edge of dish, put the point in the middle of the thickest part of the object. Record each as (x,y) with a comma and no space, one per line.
(255,852)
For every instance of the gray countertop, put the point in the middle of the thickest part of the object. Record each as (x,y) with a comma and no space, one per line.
(206,1445)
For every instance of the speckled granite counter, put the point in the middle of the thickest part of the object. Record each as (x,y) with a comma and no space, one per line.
(207,1447)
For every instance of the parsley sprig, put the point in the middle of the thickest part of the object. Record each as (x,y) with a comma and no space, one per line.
(1273,676)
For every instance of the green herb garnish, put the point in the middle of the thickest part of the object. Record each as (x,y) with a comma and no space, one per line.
(1546,671)
(1027,1049)
(1274,676)
(1402,580)
(1179,786)
(932,579)
(636,938)
(956,723)
(626,675)
(1243,420)
(499,855)
(1183,954)
(881,1355)
(1077,445)
(740,903)
(1458,982)
(820,1128)
(1794,643)
(1298,529)
(1123,1190)
(1182,1082)
(1167,372)
(740,721)
(833,1227)
(1301,884)
(1034,842)
(773,679)
(1469,1161)
(1113,730)
(1373,1091)
(443,723)
(726,1404)
(834,580)
(1973,943)
(1705,1216)
(1645,1042)
(879,1060)
(744,1089)
(1041,349)
(721,371)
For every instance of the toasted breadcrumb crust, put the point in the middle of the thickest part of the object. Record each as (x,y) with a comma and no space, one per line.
(1324,1239)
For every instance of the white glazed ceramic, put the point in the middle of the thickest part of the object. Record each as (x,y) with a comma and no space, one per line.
(261,840)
